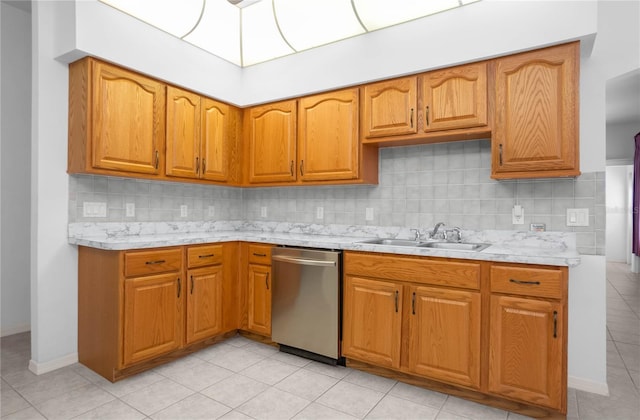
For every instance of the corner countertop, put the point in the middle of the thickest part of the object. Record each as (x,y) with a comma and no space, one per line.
(546,248)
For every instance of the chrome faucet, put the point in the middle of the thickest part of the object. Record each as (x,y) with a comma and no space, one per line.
(417,234)
(453,235)
(434,232)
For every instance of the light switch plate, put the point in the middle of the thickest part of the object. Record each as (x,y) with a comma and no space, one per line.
(578,217)
(517,215)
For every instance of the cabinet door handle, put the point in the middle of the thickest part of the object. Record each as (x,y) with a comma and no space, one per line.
(179,286)
(157,159)
(411,118)
(155,262)
(291,168)
(555,324)
(396,301)
(302,167)
(206,256)
(191,284)
(426,115)
(266,280)
(255,254)
(413,304)
(524,282)
(500,154)
(197,165)
(204,165)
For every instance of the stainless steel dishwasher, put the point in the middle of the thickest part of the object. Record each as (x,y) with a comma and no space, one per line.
(305,302)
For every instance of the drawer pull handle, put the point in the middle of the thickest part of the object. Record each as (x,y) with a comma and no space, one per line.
(396,301)
(191,284)
(155,262)
(523,282)
(555,324)
(255,254)
(266,281)
(206,256)
(179,286)
(413,304)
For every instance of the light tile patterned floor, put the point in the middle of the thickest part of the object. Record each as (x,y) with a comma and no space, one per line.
(241,379)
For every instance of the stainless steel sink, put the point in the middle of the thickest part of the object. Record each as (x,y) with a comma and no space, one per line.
(457,246)
(393,242)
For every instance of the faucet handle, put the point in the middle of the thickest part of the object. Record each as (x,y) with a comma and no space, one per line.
(417,234)
(453,235)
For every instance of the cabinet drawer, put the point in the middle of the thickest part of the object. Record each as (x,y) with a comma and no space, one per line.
(260,254)
(141,263)
(200,256)
(528,281)
(416,270)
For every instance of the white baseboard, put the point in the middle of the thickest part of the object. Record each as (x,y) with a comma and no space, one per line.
(51,365)
(588,385)
(15,330)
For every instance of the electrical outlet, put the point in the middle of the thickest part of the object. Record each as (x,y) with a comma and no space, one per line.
(183,210)
(130,209)
(263,212)
(319,212)
(94,209)
(517,215)
(212,211)
(368,213)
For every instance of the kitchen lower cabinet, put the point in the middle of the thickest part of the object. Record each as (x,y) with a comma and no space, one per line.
(139,308)
(257,262)
(444,334)
(153,313)
(372,311)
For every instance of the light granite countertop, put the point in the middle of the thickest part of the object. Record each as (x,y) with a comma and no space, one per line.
(547,248)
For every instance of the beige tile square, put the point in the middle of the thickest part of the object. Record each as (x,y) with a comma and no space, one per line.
(113,410)
(198,376)
(337,372)
(74,402)
(351,398)
(273,404)
(315,411)
(269,371)
(26,414)
(291,359)
(130,384)
(50,385)
(235,359)
(306,384)
(157,396)
(194,407)
(391,407)
(418,395)
(368,380)
(235,390)
(11,401)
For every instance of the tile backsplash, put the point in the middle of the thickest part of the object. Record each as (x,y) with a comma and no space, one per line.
(418,187)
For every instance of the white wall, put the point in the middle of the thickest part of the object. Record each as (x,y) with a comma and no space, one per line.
(619,182)
(15,174)
(620,141)
(498,28)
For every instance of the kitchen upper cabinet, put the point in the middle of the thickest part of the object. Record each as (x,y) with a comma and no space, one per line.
(116,120)
(389,108)
(527,338)
(535,133)
(444,334)
(270,135)
(372,311)
(455,97)
(197,136)
(328,142)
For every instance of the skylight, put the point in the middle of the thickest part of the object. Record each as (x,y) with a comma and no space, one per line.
(247,32)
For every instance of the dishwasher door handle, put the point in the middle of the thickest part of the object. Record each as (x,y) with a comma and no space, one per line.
(303,261)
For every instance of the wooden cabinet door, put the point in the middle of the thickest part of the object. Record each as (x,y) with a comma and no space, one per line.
(390,108)
(183,133)
(152,316)
(128,112)
(328,136)
(455,97)
(271,134)
(444,335)
(536,129)
(372,321)
(526,357)
(259,299)
(214,139)
(204,303)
